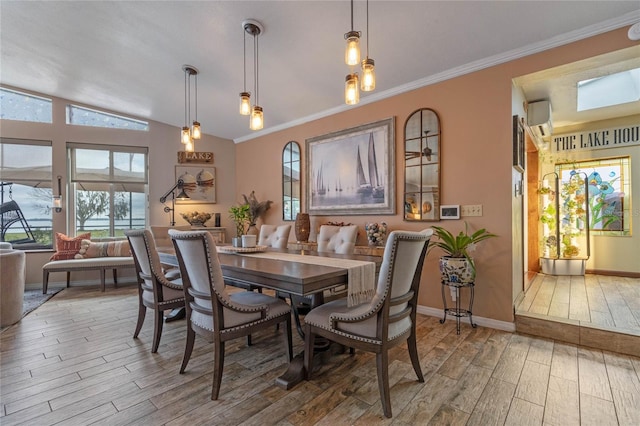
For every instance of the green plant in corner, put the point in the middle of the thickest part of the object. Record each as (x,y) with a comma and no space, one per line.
(459,245)
(240,215)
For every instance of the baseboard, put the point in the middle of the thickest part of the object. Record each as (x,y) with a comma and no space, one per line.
(484,322)
(613,273)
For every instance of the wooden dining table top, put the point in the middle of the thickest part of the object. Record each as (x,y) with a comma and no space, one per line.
(300,279)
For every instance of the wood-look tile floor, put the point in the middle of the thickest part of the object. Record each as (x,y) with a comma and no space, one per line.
(601,300)
(73,361)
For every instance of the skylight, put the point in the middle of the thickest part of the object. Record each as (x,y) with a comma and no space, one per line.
(609,90)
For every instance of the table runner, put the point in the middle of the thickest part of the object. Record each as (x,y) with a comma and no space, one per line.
(361,274)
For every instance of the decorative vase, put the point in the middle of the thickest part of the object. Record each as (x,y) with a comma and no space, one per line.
(303,227)
(236,241)
(376,233)
(457,270)
(252,230)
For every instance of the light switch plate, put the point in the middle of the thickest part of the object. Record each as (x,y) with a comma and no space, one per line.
(471,210)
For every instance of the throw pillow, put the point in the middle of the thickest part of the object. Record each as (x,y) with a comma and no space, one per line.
(89,249)
(67,247)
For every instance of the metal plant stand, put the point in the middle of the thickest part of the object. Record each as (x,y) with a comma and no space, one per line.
(458,312)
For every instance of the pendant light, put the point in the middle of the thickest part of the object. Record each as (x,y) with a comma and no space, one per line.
(368,82)
(256,121)
(351,92)
(245,97)
(189,134)
(352,52)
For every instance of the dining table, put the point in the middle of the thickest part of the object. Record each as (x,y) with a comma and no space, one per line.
(285,274)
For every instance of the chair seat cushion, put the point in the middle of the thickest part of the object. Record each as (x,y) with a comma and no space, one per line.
(275,308)
(363,330)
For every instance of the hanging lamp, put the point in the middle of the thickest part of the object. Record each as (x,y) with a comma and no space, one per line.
(254,28)
(352,52)
(189,134)
(351,92)
(245,97)
(368,81)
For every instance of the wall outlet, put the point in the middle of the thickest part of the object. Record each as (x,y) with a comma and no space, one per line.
(471,210)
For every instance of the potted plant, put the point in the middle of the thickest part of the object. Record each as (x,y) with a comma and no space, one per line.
(240,216)
(457,266)
(257,209)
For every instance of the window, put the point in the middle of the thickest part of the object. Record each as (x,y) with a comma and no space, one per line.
(609,90)
(25,193)
(23,107)
(109,187)
(609,185)
(88,117)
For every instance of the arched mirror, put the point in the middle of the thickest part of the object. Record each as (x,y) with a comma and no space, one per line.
(291,181)
(422,136)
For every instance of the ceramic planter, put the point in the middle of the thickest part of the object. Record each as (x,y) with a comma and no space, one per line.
(457,270)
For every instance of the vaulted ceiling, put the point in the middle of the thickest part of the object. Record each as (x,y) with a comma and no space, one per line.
(127,56)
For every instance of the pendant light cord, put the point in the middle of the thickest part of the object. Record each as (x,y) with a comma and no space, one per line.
(255,65)
(186,123)
(244,58)
(367,28)
(196,104)
(351,15)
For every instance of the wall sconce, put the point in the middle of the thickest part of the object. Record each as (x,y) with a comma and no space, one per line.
(181,196)
(57,199)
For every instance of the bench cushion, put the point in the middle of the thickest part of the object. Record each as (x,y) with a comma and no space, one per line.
(91,263)
(67,247)
(90,249)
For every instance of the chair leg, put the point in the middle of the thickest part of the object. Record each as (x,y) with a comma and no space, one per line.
(249,340)
(413,353)
(188,348)
(142,312)
(45,281)
(115,278)
(309,337)
(68,278)
(157,330)
(218,364)
(382,365)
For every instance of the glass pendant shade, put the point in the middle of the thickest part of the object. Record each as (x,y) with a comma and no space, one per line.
(195,131)
(368,82)
(257,118)
(245,103)
(352,53)
(351,92)
(186,136)
(189,146)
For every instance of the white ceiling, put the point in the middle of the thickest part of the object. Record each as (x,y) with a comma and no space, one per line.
(127,56)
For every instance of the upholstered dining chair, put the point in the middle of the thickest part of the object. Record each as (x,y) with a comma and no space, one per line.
(387,321)
(215,314)
(162,239)
(276,236)
(337,239)
(155,291)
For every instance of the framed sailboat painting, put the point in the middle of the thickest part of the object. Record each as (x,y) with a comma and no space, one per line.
(352,171)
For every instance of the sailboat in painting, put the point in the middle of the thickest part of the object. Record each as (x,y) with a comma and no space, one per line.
(373,185)
(364,187)
(374,179)
(320,188)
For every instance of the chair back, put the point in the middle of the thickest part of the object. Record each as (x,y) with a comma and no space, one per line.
(274,236)
(202,278)
(144,252)
(337,239)
(399,281)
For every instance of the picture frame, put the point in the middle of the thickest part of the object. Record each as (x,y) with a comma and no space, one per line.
(451,211)
(352,171)
(199,183)
(518,144)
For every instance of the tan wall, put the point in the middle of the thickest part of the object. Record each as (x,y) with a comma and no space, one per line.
(163,142)
(475,112)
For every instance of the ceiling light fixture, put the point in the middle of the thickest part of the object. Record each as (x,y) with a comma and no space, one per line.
(368,82)
(351,92)
(254,28)
(245,97)
(189,134)
(352,53)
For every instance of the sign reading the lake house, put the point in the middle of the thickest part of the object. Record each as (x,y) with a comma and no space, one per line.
(618,137)
(195,157)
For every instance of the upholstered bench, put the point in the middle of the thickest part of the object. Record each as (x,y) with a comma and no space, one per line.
(93,264)
(81,254)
